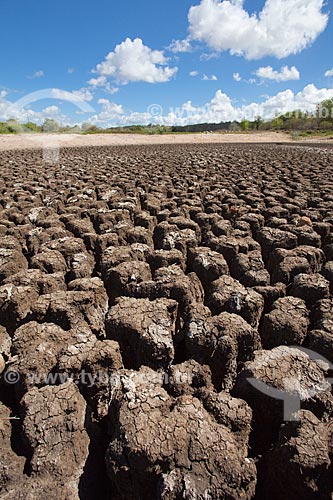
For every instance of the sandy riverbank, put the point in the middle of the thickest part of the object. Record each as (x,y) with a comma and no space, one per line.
(24,141)
(32,141)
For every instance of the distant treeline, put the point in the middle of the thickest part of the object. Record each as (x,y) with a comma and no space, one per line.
(207,127)
(320,121)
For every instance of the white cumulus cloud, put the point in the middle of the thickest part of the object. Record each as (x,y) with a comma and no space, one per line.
(84,94)
(212,78)
(284,75)
(110,108)
(329,73)
(237,77)
(74,96)
(37,74)
(282,28)
(101,81)
(180,46)
(51,110)
(9,110)
(132,61)
(219,108)
(194,73)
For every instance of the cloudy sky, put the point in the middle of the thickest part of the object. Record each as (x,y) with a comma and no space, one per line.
(171,62)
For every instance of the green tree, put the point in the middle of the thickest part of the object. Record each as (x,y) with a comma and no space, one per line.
(14,126)
(234,127)
(4,128)
(31,127)
(89,128)
(50,125)
(326,125)
(324,110)
(245,125)
(258,121)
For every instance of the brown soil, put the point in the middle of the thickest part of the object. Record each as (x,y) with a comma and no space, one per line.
(141,287)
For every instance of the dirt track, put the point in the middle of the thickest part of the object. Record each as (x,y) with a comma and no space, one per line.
(141,289)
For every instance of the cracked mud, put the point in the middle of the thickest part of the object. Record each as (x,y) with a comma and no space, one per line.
(141,289)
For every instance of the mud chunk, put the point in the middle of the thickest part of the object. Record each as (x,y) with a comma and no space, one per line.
(10,243)
(165,258)
(99,375)
(207,264)
(328,273)
(314,256)
(186,223)
(188,378)
(151,204)
(50,261)
(290,267)
(222,227)
(249,270)
(228,246)
(115,255)
(53,427)
(275,384)
(271,238)
(322,315)
(11,262)
(171,282)
(80,227)
(321,341)
(39,238)
(286,324)
(81,265)
(40,282)
(310,288)
(67,246)
(255,220)
(73,308)
(271,294)
(144,330)
(306,236)
(16,303)
(5,342)
(41,348)
(145,220)
(301,458)
(104,241)
(168,236)
(11,465)
(176,449)
(139,234)
(124,278)
(227,294)
(232,412)
(322,228)
(223,342)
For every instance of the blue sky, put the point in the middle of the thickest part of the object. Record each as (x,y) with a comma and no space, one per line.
(108,63)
